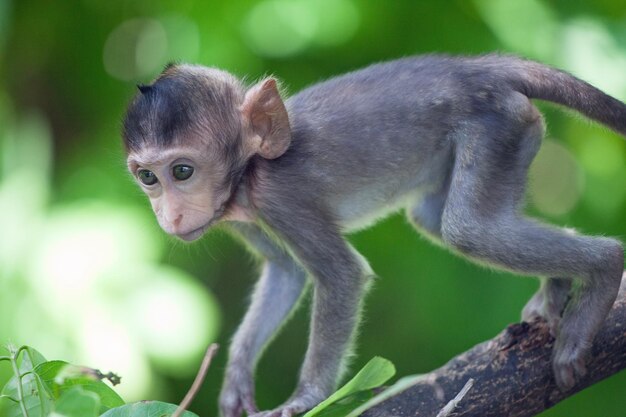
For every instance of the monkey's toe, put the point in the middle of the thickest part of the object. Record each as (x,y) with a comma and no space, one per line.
(568,369)
(551,316)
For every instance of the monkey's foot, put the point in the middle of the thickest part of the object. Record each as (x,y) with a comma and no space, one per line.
(303,401)
(568,363)
(537,309)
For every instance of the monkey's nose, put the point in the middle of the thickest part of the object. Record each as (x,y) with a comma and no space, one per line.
(177,221)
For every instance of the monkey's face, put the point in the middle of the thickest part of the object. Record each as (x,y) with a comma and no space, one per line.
(183,186)
(189,136)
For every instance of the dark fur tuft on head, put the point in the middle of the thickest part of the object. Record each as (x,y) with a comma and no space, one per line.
(144,89)
(184,103)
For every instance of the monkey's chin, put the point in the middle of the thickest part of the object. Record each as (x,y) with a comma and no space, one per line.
(197,233)
(194,234)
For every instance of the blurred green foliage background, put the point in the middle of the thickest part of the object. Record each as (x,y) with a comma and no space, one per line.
(87,276)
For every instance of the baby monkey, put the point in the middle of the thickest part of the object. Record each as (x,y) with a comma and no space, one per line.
(450,139)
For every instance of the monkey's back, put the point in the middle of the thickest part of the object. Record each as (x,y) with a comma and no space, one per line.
(357,133)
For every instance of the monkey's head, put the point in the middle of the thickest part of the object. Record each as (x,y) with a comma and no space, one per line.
(189,136)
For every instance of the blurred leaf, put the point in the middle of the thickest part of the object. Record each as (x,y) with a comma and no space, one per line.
(76,402)
(60,377)
(375,373)
(146,409)
(33,407)
(31,358)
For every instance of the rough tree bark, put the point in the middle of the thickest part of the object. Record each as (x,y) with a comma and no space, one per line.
(512,373)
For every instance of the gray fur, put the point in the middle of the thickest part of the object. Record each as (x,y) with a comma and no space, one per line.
(450,140)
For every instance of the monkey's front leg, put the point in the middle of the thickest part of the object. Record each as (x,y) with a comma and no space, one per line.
(277,291)
(340,277)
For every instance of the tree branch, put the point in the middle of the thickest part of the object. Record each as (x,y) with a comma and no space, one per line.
(512,373)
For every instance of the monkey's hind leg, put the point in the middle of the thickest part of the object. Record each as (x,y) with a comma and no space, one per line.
(481,219)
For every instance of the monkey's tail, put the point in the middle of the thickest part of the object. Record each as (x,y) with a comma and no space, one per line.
(550,84)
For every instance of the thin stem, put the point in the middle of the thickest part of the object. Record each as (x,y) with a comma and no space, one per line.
(23,348)
(197,383)
(40,387)
(20,389)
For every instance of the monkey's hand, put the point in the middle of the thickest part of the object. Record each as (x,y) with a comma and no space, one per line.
(237,393)
(305,398)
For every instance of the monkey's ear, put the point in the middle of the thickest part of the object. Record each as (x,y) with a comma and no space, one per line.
(265,112)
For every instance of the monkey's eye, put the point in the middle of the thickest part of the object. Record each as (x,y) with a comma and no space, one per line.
(147,177)
(182,172)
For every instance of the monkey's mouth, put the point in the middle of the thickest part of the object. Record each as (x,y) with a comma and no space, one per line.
(194,234)
(197,233)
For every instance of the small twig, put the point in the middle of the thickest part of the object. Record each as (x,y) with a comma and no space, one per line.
(197,383)
(449,408)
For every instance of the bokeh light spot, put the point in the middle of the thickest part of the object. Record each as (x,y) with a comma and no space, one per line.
(555,180)
(527,26)
(337,21)
(603,155)
(605,195)
(174,317)
(280,28)
(24,188)
(183,38)
(151,47)
(83,243)
(592,53)
(110,344)
(135,49)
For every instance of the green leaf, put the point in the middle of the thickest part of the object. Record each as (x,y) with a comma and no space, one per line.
(146,409)
(375,373)
(47,372)
(59,377)
(343,407)
(30,358)
(76,402)
(396,388)
(33,407)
